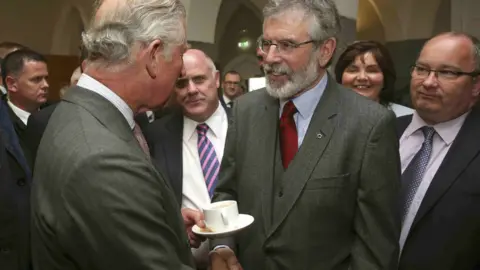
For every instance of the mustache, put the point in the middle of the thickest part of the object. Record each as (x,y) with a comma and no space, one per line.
(276,68)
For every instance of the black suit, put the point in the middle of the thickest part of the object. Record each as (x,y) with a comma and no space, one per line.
(164,138)
(445,234)
(15,183)
(37,122)
(20,128)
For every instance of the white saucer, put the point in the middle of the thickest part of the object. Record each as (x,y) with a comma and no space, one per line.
(243,222)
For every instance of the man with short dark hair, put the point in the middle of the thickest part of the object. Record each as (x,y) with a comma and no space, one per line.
(232,87)
(7,47)
(25,75)
(440,155)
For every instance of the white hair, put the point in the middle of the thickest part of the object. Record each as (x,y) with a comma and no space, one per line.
(115,34)
(323,15)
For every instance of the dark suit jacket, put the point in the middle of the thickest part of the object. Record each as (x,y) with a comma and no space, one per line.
(334,207)
(445,234)
(164,137)
(37,122)
(97,200)
(20,129)
(14,198)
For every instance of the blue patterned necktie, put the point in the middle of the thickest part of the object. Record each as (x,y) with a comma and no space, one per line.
(208,158)
(413,174)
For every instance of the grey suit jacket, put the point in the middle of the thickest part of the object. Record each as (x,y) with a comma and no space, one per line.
(334,207)
(98,202)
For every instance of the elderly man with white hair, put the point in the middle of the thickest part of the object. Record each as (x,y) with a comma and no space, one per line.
(98,202)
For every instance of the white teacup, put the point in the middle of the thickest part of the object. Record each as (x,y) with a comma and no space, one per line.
(221,216)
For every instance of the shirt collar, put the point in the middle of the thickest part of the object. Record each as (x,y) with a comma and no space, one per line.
(307,101)
(93,85)
(446,130)
(226,99)
(214,123)
(22,114)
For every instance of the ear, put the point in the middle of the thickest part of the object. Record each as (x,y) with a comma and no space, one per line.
(476,87)
(154,55)
(12,84)
(217,79)
(326,51)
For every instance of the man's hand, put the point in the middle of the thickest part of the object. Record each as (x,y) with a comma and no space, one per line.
(224,259)
(193,217)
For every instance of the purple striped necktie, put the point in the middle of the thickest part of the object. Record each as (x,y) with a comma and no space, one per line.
(208,158)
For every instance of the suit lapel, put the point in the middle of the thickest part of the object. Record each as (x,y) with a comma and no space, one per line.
(17,122)
(172,151)
(10,138)
(319,133)
(463,150)
(266,145)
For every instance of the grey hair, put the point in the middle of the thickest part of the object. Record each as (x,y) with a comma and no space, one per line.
(115,34)
(323,15)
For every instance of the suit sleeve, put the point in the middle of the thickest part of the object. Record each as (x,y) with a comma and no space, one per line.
(119,206)
(376,221)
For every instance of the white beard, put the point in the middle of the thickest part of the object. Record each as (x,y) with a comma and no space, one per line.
(297,82)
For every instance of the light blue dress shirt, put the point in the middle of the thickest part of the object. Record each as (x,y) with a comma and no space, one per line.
(306,104)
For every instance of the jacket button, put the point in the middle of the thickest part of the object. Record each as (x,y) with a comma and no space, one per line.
(280,194)
(21,182)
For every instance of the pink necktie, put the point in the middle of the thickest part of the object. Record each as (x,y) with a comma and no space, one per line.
(141,139)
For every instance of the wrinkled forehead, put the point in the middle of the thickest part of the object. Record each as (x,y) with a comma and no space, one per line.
(286,25)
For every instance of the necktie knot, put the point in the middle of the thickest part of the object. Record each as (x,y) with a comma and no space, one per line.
(428,133)
(202,129)
(289,109)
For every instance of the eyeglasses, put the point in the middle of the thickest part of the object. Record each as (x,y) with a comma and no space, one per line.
(445,75)
(282,46)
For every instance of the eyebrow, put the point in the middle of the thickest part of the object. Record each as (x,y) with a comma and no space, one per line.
(440,67)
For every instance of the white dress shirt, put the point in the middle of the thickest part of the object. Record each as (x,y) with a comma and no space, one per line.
(410,143)
(22,114)
(93,85)
(195,192)
(227,101)
(400,110)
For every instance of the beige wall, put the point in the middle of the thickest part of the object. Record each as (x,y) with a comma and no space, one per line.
(34,22)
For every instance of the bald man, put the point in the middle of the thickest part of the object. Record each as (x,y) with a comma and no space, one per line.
(173,139)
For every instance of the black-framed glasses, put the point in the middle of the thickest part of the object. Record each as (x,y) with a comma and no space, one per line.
(282,46)
(442,74)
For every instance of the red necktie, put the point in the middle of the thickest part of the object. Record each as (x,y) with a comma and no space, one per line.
(288,134)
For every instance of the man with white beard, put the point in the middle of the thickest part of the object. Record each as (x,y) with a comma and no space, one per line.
(315,164)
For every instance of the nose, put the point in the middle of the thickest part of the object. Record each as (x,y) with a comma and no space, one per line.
(271,55)
(191,88)
(45,83)
(431,80)
(362,75)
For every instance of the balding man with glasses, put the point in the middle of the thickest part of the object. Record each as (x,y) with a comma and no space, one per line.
(440,155)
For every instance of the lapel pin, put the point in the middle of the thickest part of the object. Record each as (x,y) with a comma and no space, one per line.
(319,135)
